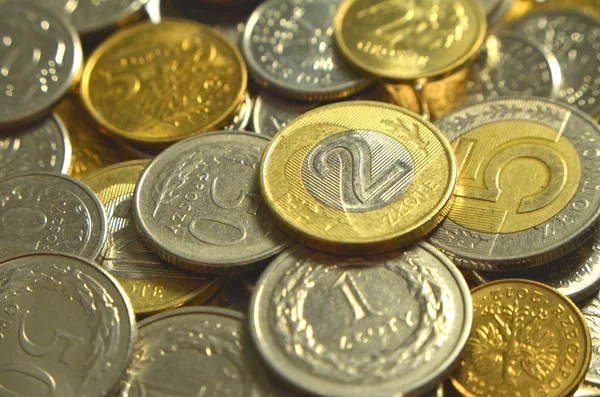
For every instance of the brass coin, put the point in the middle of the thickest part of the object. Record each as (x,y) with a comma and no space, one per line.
(526,340)
(358,176)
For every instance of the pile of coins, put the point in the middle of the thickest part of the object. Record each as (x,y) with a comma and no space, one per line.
(337,198)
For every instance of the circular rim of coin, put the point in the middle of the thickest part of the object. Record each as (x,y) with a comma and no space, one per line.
(308,382)
(24,117)
(66,140)
(234,314)
(166,23)
(497,14)
(396,75)
(516,281)
(260,99)
(91,29)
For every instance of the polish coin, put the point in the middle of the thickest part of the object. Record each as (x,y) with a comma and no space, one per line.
(272,113)
(241,120)
(290,49)
(67,328)
(198,204)
(591,313)
(40,59)
(372,326)
(43,146)
(527,190)
(50,212)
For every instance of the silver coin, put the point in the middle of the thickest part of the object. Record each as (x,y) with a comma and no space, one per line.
(372,326)
(67,328)
(196,352)
(495,10)
(527,191)
(289,48)
(591,313)
(40,58)
(241,120)
(587,390)
(272,113)
(198,204)
(153,11)
(43,146)
(50,212)
(574,38)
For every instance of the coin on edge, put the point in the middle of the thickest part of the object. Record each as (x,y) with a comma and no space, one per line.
(526,339)
(361,326)
(407,41)
(41,60)
(527,191)
(359,176)
(67,328)
(153,85)
(50,212)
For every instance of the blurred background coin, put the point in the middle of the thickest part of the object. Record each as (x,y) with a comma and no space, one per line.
(272,113)
(495,10)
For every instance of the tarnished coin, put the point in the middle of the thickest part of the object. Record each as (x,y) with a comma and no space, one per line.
(371,326)
(67,328)
(198,204)
(526,340)
(40,59)
(272,113)
(289,47)
(358,176)
(43,146)
(527,190)
(197,352)
(151,284)
(574,38)
(50,212)
(591,313)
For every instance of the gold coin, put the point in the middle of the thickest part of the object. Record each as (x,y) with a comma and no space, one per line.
(410,40)
(151,284)
(526,340)
(358,176)
(156,84)
(590,7)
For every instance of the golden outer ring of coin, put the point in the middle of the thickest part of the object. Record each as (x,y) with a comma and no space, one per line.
(377,236)
(120,38)
(569,389)
(395,74)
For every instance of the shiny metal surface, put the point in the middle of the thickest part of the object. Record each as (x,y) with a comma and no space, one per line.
(271,113)
(591,313)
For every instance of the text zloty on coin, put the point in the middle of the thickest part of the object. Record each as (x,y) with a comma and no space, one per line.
(272,113)
(527,191)
(171,81)
(591,313)
(67,328)
(526,340)
(372,326)
(574,38)
(290,49)
(40,58)
(151,284)
(43,146)
(410,40)
(358,176)
(198,204)
(195,352)
(50,212)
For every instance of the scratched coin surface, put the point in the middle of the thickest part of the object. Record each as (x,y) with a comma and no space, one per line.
(574,38)
(591,313)
(198,204)
(290,49)
(50,212)
(156,84)
(151,283)
(272,113)
(361,326)
(410,40)
(358,176)
(43,146)
(40,59)
(67,328)
(526,340)
(527,190)
(197,352)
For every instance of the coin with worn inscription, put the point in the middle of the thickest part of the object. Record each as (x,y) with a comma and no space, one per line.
(198,204)
(151,283)
(361,326)
(574,38)
(527,190)
(290,49)
(197,352)
(358,176)
(526,340)
(272,113)
(153,85)
(50,212)
(67,328)
(40,59)
(591,313)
